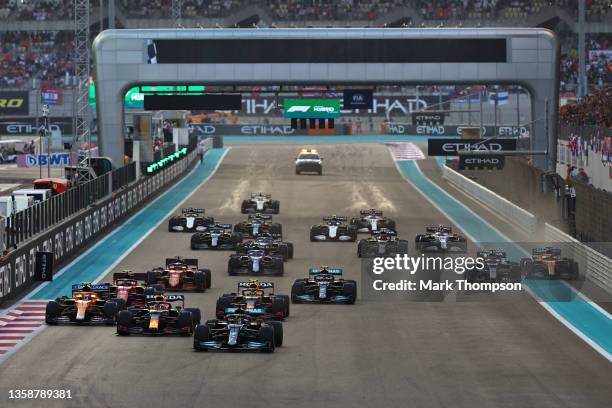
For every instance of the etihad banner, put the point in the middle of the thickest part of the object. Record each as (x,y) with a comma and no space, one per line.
(454,130)
(451,147)
(14,103)
(27,126)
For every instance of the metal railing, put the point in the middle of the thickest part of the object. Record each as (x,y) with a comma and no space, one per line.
(25,224)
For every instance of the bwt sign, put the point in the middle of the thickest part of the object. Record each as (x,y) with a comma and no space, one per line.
(53,160)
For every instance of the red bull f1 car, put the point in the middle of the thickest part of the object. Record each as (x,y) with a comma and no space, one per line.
(159,317)
(238,332)
(440,239)
(333,228)
(260,202)
(180,274)
(383,242)
(89,304)
(217,236)
(255,262)
(372,221)
(190,220)
(254,298)
(547,263)
(324,285)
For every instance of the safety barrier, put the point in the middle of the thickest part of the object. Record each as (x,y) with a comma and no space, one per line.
(71,237)
(507,210)
(38,218)
(593,264)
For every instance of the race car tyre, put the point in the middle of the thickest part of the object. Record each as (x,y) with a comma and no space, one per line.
(244,207)
(278,308)
(297,172)
(266,335)
(361,245)
(276,229)
(278,266)
(170,225)
(289,250)
(391,225)
(314,231)
(278,332)
(275,205)
(120,303)
(207,278)
(152,277)
(223,303)
(349,289)
(124,322)
(297,289)
(287,302)
(200,333)
(110,311)
(515,273)
(236,238)
(232,264)
(352,231)
(402,247)
(196,315)
(526,267)
(52,311)
(320,172)
(185,323)
(574,269)
(199,280)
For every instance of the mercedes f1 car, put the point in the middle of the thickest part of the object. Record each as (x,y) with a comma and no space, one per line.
(371,221)
(254,298)
(258,224)
(547,263)
(333,228)
(255,262)
(190,220)
(89,304)
(324,285)
(260,202)
(238,332)
(217,236)
(180,274)
(269,244)
(384,242)
(497,268)
(159,317)
(440,239)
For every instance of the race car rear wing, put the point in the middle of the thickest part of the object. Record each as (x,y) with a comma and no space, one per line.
(335,218)
(193,210)
(384,231)
(101,287)
(218,225)
(266,217)
(331,271)
(166,298)
(546,250)
(140,276)
(266,195)
(186,261)
(371,212)
(491,253)
(262,285)
(447,230)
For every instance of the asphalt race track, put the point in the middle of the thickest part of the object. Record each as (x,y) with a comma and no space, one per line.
(371,354)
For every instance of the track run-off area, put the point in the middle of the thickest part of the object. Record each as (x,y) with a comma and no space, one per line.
(521,352)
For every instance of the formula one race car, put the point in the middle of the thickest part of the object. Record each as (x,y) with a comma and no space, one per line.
(440,239)
(372,221)
(128,288)
(497,268)
(159,317)
(309,161)
(260,202)
(258,224)
(269,244)
(251,298)
(547,263)
(238,332)
(255,262)
(89,304)
(333,228)
(190,220)
(180,274)
(216,236)
(324,286)
(384,242)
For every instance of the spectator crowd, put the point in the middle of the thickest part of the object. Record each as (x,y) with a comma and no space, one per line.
(594,109)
